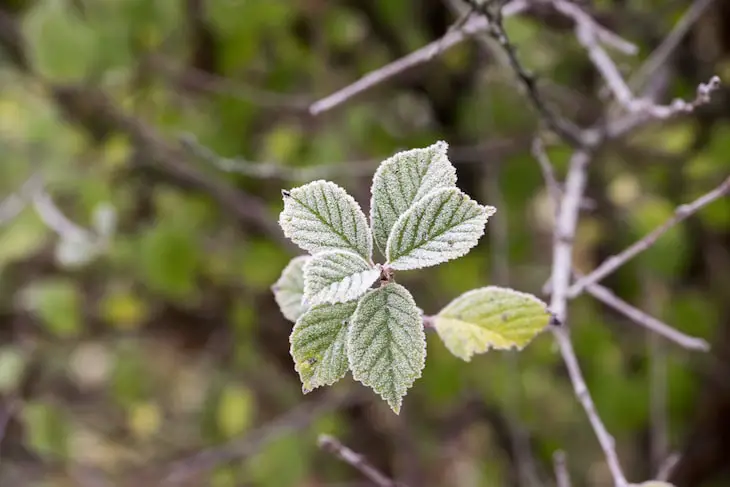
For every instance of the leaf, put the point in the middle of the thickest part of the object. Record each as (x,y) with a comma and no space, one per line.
(386,343)
(403,179)
(490,317)
(337,277)
(321,216)
(58,303)
(653,483)
(442,226)
(289,289)
(319,344)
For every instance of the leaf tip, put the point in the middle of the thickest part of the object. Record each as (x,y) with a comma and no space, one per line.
(285,193)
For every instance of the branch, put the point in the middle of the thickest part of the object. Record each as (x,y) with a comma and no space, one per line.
(14,204)
(568,131)
(562,477)
(356,461)
(670,43)
(681,213)
(562,266)
(607,297)
(270,170)
(420,56)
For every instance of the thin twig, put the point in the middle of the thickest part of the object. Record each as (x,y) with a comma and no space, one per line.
(355,460)
(563,127)
(14,204)
(662,53)
(681,213)
(665,469)
(607,297)
(270,170)
(562,477)
(420,56)
(548,172)
(57,221)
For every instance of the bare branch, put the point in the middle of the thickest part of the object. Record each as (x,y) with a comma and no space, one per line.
(562,477)
(561,272)
(14,204)
(420,56)
(607,297)
(270,170)
(355,460)
(681,213)
(665,469)
(548,172)
(568,131)
(670,43)
(56,220)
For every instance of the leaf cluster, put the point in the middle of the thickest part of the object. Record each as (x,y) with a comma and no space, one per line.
(349,312)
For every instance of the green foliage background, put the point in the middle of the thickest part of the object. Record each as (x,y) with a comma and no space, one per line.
(166,356)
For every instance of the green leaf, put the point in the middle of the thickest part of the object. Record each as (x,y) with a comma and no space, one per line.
(319,344)
(490,317)
(444,225)
(386,343)
(58,303)
(61,45)
(321,216)
(289,289)
(402,180)
(337,277)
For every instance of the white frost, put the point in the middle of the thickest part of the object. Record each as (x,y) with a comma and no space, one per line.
(321,216)
(402,180)
(444,225)
(386,343)
(289,289)
(490,317)
(337,276)
(319,344)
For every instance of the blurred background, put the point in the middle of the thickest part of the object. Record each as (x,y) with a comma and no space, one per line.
(144,145)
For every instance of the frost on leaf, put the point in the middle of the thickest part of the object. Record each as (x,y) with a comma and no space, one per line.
(490,317)
(319,344)
(386,343)
(442,226)
(321,216)
(337,276)
(653,483)
(403,179)
(289,289)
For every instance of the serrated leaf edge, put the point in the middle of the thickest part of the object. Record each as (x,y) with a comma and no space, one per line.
(486,212)
(314,299)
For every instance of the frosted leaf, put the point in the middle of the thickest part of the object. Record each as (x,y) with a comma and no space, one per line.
(442,226)
(321,216)
(386,343)
(319,344)
(337,276)
(653,483)
(289,289)
(490,317)
(403,179)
